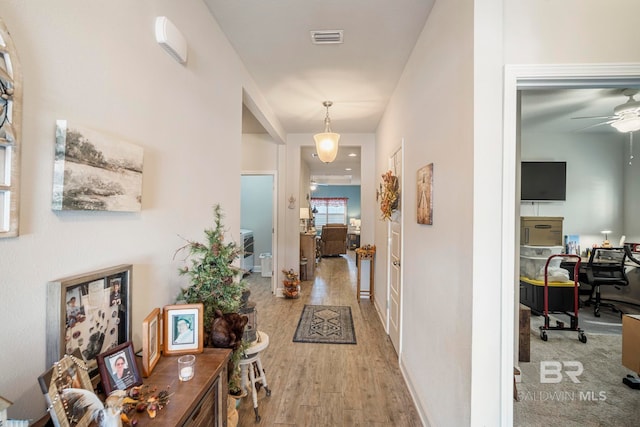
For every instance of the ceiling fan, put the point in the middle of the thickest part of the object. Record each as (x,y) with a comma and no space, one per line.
(626,116)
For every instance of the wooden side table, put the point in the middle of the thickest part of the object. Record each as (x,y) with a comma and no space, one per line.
(366,253)
(252,365)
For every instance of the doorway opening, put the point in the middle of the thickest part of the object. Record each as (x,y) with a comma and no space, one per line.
(518,79)
(257,218)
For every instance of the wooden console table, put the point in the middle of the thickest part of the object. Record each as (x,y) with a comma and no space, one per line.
(201,401)
(308,250)
(363,254)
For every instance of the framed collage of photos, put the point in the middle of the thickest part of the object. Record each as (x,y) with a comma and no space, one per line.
(90,313)
(183,329)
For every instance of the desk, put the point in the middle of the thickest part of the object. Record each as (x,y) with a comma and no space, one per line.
(629,295)
(364,254)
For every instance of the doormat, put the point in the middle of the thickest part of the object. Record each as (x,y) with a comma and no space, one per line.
(326,324)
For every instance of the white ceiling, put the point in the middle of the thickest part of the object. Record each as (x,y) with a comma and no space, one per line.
(273,40)
(556,110)
(336,172)
(272,37)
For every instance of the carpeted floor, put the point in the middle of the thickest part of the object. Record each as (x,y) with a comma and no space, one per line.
(598,399)
(328,324)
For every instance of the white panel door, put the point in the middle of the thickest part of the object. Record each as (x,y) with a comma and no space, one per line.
(395,291)
(395,265)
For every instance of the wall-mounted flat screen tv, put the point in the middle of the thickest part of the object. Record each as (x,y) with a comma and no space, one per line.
(543,181)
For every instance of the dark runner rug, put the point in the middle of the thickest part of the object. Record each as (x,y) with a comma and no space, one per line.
(327,324)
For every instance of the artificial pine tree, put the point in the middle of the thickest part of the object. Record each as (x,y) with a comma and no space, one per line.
(215,281)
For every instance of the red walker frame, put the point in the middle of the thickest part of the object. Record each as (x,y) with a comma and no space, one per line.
(576,303)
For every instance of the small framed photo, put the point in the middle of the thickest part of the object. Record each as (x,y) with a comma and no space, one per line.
(183,331)
(150,342)
(63,383)
(118,369)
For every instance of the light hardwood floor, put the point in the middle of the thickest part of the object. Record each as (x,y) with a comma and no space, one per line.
(327,384)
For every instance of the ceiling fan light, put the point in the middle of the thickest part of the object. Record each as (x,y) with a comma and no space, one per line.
(327,146)
(627,124)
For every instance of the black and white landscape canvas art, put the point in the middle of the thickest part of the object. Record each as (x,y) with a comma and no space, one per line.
(95,172)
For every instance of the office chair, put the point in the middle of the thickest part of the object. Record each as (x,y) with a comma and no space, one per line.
(630,256)
(605,268)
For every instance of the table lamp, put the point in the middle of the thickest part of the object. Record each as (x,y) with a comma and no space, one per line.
(304,219)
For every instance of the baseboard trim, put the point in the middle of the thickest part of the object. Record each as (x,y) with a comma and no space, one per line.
(425,419)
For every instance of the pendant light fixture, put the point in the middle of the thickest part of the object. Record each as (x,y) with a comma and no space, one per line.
(327,142)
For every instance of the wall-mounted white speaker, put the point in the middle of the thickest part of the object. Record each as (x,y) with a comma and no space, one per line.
(171,39)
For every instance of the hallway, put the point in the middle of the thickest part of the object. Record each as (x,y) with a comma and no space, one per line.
(324,384)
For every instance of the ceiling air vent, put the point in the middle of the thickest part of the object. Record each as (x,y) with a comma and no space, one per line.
(326,36)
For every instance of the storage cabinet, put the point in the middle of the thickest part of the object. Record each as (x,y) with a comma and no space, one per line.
(202,401)
(541,230)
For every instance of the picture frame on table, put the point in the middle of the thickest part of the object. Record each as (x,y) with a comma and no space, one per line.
(151,332)
(63,382)
(89,312)
(118,368)
(183,330)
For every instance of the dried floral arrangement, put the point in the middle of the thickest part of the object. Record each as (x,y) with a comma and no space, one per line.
(389,194)
(143,399)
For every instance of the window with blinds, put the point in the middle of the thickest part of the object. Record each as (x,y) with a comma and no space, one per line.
(330,210)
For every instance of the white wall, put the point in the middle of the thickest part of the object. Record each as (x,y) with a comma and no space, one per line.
(429,110)
(304,190)
(97,64)
(438,86)
(259,152)
(293,174)
(256,213)
(535,32)
(632,195)
(570,31)
(595,182)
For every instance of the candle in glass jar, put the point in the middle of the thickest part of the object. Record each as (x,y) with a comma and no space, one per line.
(186,365)
(186,373)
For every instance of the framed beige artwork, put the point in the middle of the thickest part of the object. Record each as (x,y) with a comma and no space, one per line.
(424,186)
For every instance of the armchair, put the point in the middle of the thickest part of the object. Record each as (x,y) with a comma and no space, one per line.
(333,240)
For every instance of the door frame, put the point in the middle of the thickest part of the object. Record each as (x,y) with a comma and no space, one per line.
(274,221)
(517,77)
